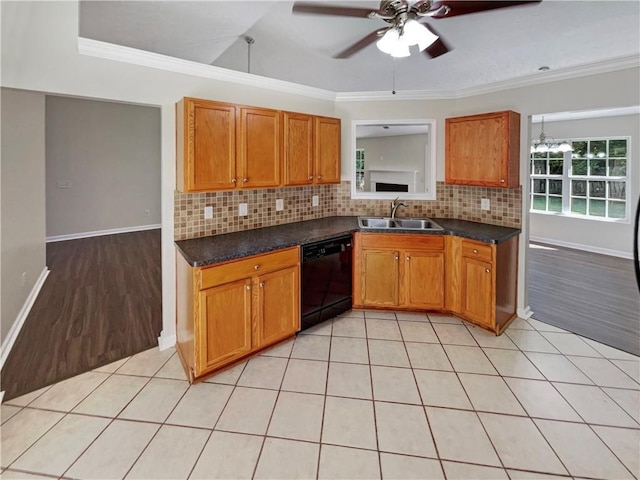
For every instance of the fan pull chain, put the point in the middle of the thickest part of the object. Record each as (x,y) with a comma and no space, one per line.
(250,41)
(393,87)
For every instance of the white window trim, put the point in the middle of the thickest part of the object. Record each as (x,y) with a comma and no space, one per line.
(566,185)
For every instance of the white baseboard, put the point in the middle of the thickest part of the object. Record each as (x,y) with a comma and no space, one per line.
(580,246)
(525,312)
(99,233)
(166,341)
(8,342)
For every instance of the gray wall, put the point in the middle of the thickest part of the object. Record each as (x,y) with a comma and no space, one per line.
(593,234)
(108,155)
(22,211)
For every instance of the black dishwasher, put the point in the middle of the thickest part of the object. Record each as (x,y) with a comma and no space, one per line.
(326,280)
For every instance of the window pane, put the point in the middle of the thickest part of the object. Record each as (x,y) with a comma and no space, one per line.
(598,148)
(540,155)
(617,209)
(539,167)
(555,167)
(596,208)
(539,186)
(598,166)
(559,155)
(579,166)
(617,148)
(579,205)
(539,202)
(555,204)
(597,189)
(579,149)
(617,190)
(579,188)
(555,187)
(618,167)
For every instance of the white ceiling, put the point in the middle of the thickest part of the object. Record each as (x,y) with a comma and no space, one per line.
(488,47)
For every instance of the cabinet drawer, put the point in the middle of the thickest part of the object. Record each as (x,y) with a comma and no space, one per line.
(401,241)
(247,267)
(481,251)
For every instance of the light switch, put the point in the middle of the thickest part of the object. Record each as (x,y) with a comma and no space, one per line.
(485,204)
(315,201)
(279,205)
(208,213)
(243,210)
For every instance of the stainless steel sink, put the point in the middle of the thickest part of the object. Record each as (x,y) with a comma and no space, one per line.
(384,223)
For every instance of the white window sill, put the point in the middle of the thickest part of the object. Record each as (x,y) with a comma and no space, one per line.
(624,221)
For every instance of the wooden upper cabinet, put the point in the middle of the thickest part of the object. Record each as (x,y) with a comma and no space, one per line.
(206,145)
(483,150)
(259,148)
(298,149)
(327,150)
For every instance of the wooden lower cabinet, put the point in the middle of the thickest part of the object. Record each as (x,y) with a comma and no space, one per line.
(228,311)
(399,271)
(477,293)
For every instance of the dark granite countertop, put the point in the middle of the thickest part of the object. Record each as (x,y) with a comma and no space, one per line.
(203,251)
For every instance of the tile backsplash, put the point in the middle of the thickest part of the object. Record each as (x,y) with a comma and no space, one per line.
(452,201)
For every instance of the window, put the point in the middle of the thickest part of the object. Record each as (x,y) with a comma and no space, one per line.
(360,168)
(590,181)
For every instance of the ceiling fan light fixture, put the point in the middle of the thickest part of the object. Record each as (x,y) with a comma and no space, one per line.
(416,33)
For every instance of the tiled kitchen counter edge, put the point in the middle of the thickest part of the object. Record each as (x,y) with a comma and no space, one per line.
(202,251)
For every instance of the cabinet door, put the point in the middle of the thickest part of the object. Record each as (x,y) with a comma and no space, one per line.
(424,279)
(327,150)
(223,325)
(298,149)
(477,294)
(210,146)
(380,277)
(259,149)
(278,313)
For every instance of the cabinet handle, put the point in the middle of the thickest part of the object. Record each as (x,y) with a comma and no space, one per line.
(319,177)
(234,180)
(475,250)
(408,258)
(256,267)
(502,180)
(245,180)
(261,284)
(248,287)
(397,258)
(311,178)
(487,270)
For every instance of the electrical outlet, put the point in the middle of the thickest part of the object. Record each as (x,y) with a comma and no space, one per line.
(315,201)
(243,210)
(279,205)
(485,204)
(208,213)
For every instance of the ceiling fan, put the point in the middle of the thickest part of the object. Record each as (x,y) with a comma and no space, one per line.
(403,17)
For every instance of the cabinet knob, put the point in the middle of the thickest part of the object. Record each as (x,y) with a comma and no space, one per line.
(245,180)
(502,180)
(248,287)
(261,284)
(319,177)
(475,250)
(487,270)
(310,178)
(234,180)
(408,258)
(397,258)
(256,267)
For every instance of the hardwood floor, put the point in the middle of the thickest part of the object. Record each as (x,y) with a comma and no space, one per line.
(101,302)
(593,295)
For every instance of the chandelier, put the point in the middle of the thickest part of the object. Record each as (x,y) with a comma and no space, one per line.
(397,39)
(545,143)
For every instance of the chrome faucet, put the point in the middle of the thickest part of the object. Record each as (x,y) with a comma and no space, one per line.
(394,206)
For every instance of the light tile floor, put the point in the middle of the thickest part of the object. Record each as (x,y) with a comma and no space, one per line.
(365,395)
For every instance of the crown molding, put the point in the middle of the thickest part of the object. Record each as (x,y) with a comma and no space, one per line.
(585,114)
(622,63)
(110,51)
(119,53)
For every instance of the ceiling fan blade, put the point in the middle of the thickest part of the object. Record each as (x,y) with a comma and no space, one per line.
(464,7)
(359,45)
(437,48)
(319,9)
